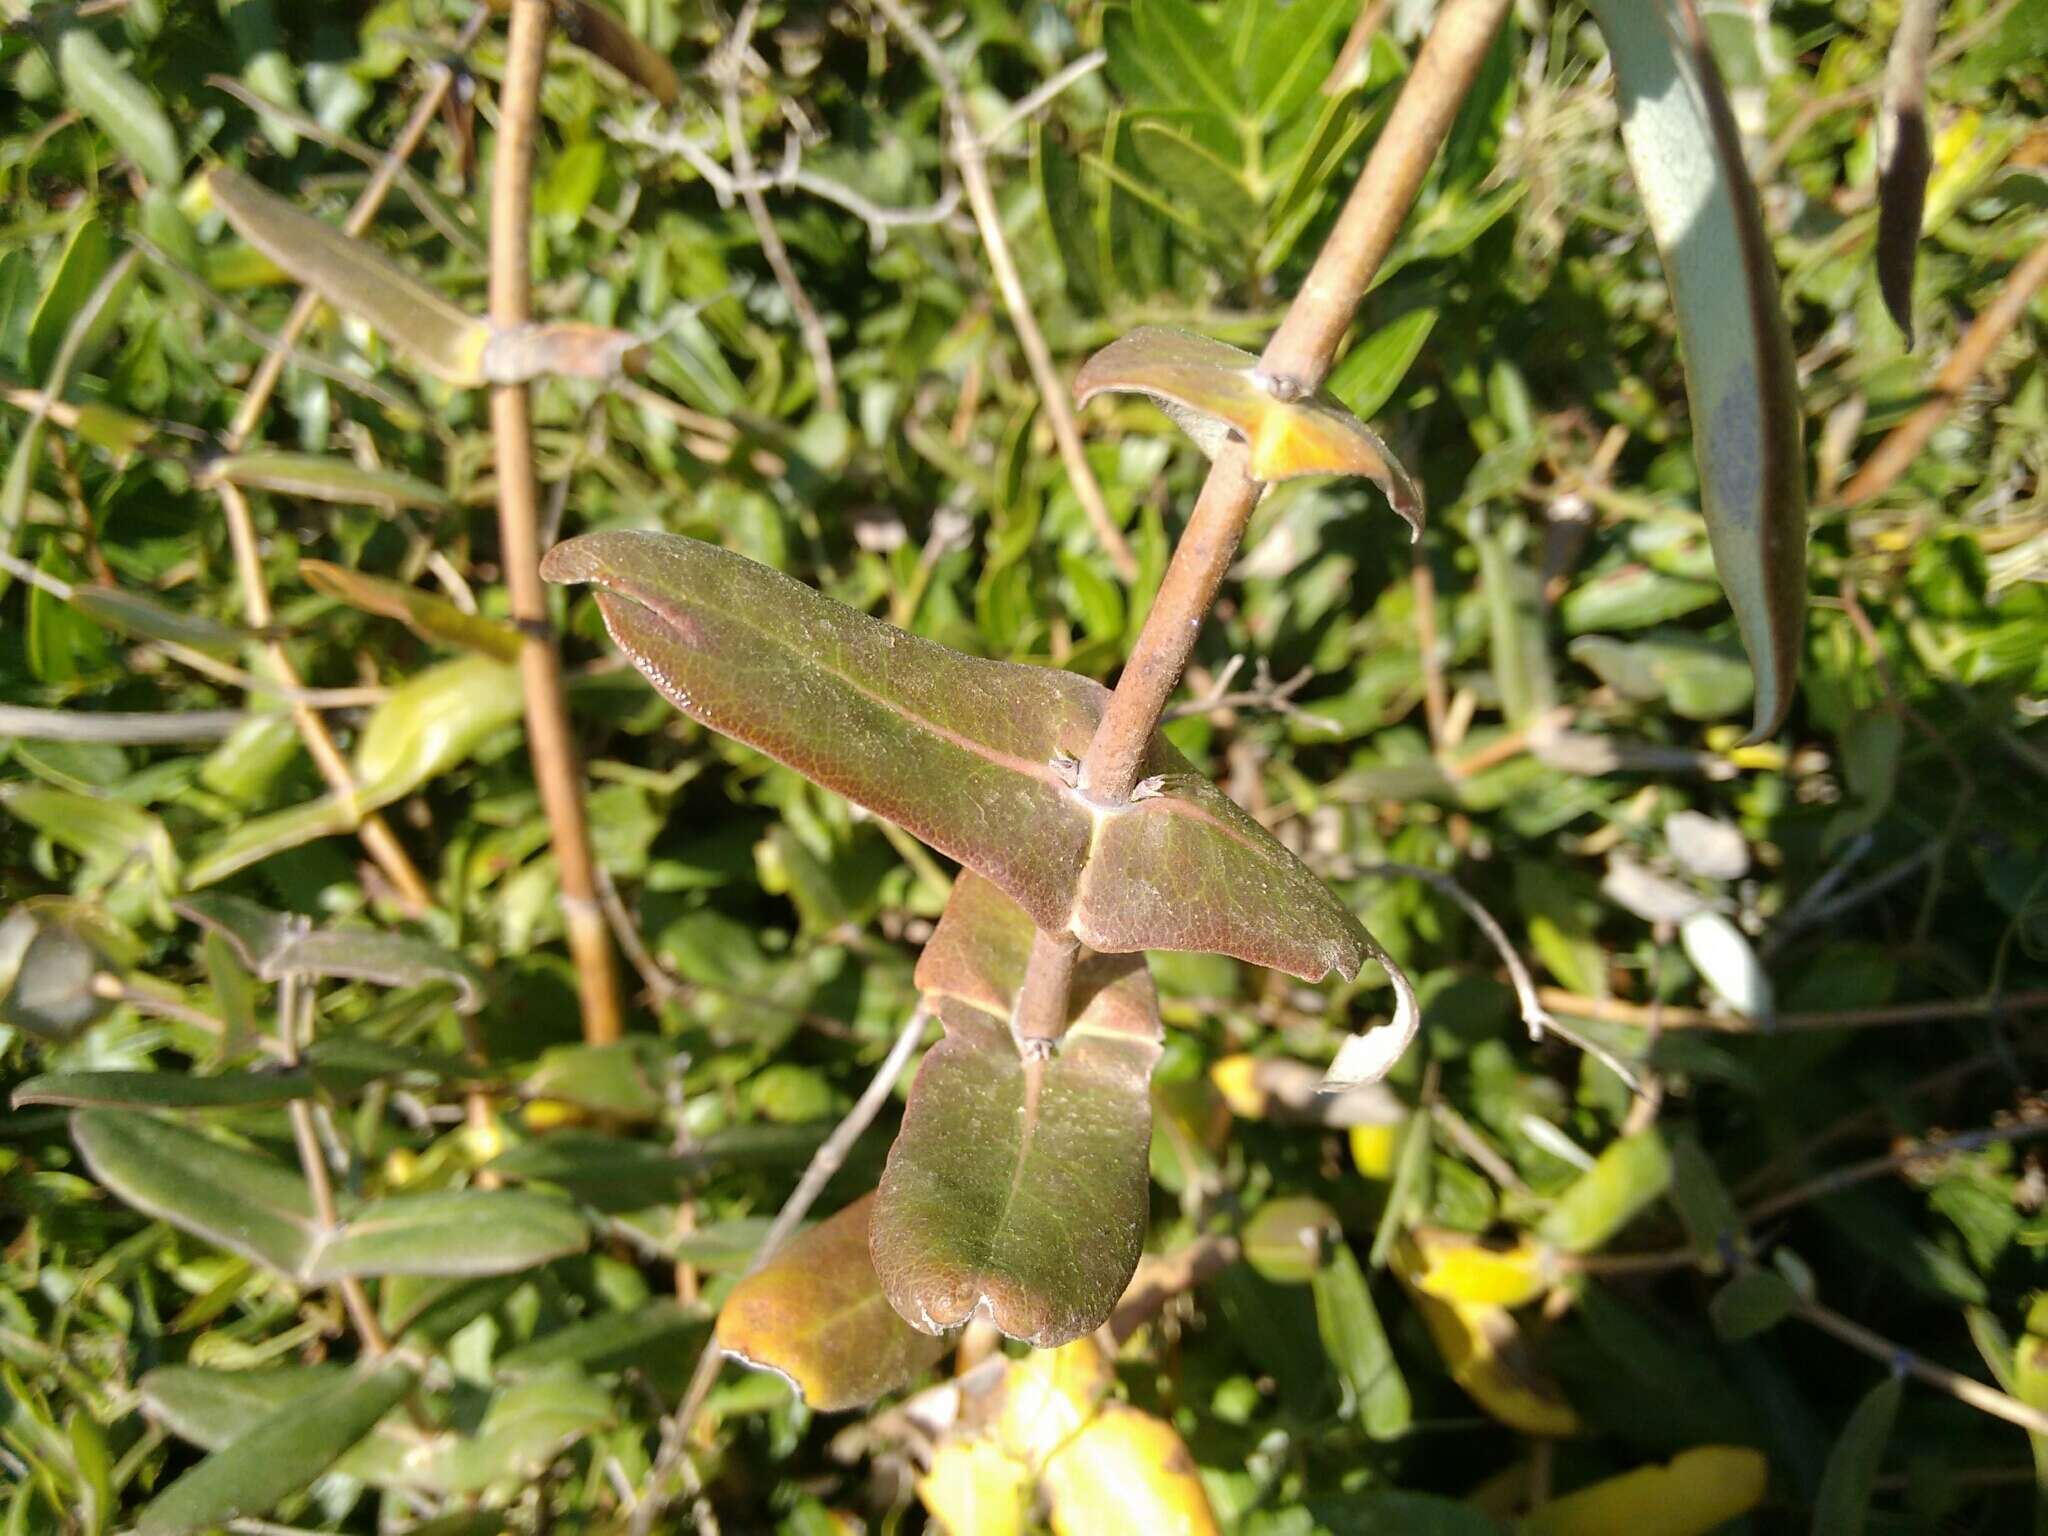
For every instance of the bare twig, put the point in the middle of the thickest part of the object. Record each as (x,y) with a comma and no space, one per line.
(727,69)
(1614,1011)
(122,728)
(1876,1167)
(826,1161)
(1266,693)
(969,152)
(1478,1148)
(549,739)
(1965,1389)
(1893,456)
(1435,700)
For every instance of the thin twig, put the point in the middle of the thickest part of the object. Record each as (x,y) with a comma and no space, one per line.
(1876,1167)
(1539,1019)
(549,739)
(727,68)
(969,152)
(121,728)
(1266,694)
(1478,1148)
(1965,1389)
(1608,1010)
(826,1161)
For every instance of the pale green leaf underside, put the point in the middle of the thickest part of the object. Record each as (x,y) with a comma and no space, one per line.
(962,752)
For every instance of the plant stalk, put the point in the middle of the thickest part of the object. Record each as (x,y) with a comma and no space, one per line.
(555,768)
(1301,350)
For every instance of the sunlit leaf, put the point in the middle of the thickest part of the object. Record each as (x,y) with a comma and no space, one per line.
(1357,1344)
(1686,152)
(360,280)
(277,944)
(815,1314)
(144,618)
(321,477)
(966,754)
(1287,1239)
(1483,1349)
(1904,159)
(1629,1174)
(278,1457)
(164,1090)
(1048,1395)
(1126,1471)
(593,28)
(1695,1493)
(973,1489)
(1370,372)
(1018,1188)
(1456,1266)
(430,617)
(1212,389)
(124,109)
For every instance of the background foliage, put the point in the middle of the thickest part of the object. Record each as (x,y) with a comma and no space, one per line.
(1584,780)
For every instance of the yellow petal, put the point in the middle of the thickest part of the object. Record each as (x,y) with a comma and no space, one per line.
(973,1489)
(1697,1491)
(1127,1472)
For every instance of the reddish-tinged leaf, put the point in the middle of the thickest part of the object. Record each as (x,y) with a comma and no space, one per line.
(1212,389)
(973,756)
(1017,1188)
(1904,159)
(816,1316)
(1686,154)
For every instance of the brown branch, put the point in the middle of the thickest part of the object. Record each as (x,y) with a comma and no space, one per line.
(1876,1167)
(1613,1011)
(1301,351)
(1895,454)
(1965,1389)
(969,151)
(553,749)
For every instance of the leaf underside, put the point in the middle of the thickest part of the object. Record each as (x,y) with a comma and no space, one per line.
(1018,1187)
(962,752)
(1686,154)
(815,1314)
(1212,390)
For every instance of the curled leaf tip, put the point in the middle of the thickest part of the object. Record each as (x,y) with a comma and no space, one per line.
(1214,391)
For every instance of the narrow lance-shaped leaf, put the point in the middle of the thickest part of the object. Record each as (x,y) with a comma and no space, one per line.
(280,1456)
(1842,1507)
(601,34)
(815,1315)
(276,944)
(1700,1490)
(1212,389)
(164,1090)
(1904,159)
(1686,153)
(975,757)
(321,477)
(1017,1188)
(430,617)
(122,107)
(452,344)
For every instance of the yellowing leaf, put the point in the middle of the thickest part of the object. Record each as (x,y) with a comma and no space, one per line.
(429,617)
(1125,1472)
(1212,390)
(973,1489)
(1695,1493)
(1483,1349)
(360,280)
(1373,1148)
(816,1316)
(1455,1266)
(1048,1395)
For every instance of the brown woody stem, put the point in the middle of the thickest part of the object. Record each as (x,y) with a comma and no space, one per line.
(547,712)
(1048,976)
(1300,350)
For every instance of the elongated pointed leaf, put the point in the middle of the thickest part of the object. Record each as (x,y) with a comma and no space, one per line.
(1686,153)
(1842,1507)
(164,1090)
(1904,159)
(321,477)
(1212,389)
(962,752)
(130,613)
(280,1456)
(430,617)
(816,1316)
(1017,1188)
(256,1207)
(594,29)
(1624,1179)
(276,944)
(122,107)
(1358,1347)
(1700,1490)
(360,280)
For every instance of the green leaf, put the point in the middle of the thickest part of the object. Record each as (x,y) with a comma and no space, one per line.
(125,110)
(164,1090)
(1754,1302)
(815,1314)
(612,1342)
(525,1428)
(87,255)
(47,968)
(1358,1347)
(1686,152)
(278,1457)
(1213,390)
(360,280)
(1196,173)
(144,618)
(1626,1177)
(964,753)
(275,945)
(1843,1505)
(1071,216)
(1018,1186)
(1371,371)
(253,1206)
(1633,597)
(1695,677)
(1188,54)
(1286,1239)
(431,618)
(318,477)
(1291,53)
